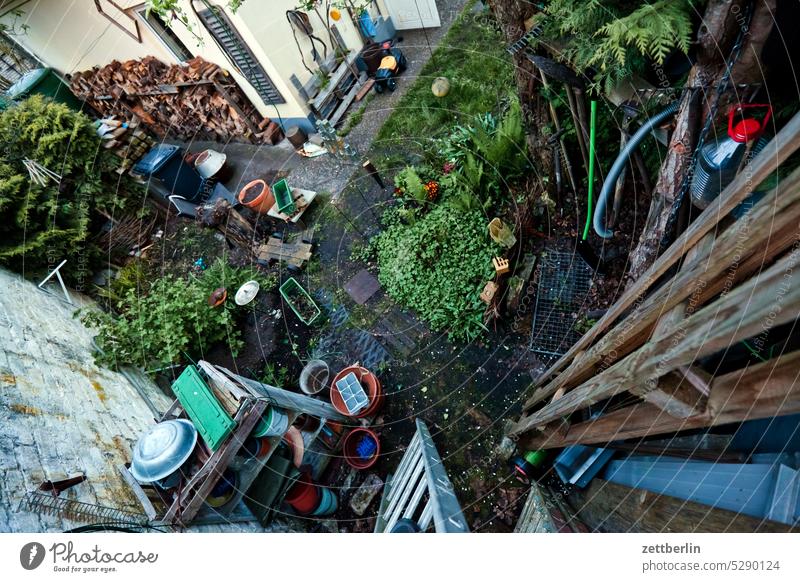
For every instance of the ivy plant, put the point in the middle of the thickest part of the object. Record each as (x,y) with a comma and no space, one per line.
(438,266)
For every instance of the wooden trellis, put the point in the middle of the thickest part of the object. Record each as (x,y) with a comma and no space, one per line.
(720,283)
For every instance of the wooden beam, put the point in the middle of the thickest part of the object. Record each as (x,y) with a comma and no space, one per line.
(672,395)
(770,228)
(763,390)
(606,506)
(783,145)
(138,492)
(767,297)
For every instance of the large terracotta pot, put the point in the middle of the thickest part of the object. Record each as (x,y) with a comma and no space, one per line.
(257,196)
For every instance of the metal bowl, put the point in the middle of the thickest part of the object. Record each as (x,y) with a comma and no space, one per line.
(163,449)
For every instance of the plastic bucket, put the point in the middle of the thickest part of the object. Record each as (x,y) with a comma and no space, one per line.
(209,163)
(303,496)
(275,422)
(353,448)
(372,386)
(257,196)
(328,502)
(314,377)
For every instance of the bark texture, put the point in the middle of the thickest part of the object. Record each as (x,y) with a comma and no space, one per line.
(722,21)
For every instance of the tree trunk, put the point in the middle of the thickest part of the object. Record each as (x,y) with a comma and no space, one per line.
(511,16)
(721,24)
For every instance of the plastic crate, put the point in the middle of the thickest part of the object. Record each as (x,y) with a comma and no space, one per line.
(283,197)
(293,293)
(352,393)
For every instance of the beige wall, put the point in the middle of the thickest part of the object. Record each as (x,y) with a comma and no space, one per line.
(270,30)
(70,36)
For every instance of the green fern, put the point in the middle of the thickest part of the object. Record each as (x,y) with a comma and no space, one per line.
(654,30)
(616,37)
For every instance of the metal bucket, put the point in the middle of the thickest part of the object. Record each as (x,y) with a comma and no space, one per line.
(314,377)
(275,422)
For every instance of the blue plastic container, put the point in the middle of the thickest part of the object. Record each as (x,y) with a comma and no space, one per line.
(165,163)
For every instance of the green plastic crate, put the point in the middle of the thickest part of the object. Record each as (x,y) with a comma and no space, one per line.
(293,293)
(209,417)
(283,197)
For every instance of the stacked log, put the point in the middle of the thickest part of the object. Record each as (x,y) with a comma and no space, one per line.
(198,100)
(126,139)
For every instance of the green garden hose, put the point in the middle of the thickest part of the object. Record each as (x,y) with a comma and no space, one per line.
(592,120)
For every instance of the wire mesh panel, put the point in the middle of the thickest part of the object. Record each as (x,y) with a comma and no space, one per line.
(47,504)
(564,280)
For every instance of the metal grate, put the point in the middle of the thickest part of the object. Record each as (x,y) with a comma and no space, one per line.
(47,504)
(564,280)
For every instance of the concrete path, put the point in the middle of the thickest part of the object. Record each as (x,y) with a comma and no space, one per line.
(329,173)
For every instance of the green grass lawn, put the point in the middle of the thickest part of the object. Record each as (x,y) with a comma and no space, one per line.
(472,56)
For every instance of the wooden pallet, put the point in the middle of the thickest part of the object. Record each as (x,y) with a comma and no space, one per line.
(291,253)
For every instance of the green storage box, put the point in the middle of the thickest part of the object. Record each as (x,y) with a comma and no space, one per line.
(299,301)
(283,197)
(210,419)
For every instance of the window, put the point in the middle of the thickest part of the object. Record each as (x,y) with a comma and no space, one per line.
(223,31)
(165,35)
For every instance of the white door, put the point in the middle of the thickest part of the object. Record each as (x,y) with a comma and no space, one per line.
(408,14)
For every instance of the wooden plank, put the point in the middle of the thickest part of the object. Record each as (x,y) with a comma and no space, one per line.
(763,390)
(365,88)
(138,492)
(672,395)
(174,513)
(606,506)
(783,145)
(289,400)
(348,99)
(771,227)
(333,83)
(219,461)
(734,317)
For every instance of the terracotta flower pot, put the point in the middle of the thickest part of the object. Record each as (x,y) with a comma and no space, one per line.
(370,383)
(350,448)
(257,196)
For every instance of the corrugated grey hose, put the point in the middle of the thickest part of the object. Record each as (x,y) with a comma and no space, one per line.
(619,164)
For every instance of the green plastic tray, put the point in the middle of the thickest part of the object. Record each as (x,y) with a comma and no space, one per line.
(283,197)
(292,291)
(209,417)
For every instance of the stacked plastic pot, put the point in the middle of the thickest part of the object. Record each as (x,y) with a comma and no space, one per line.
(309,498)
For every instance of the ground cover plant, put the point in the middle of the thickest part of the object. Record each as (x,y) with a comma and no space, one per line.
(437,266)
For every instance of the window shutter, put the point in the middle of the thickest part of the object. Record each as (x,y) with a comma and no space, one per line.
(221,28)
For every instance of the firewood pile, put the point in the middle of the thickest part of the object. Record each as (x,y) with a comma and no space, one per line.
(125,138)
(197,101)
